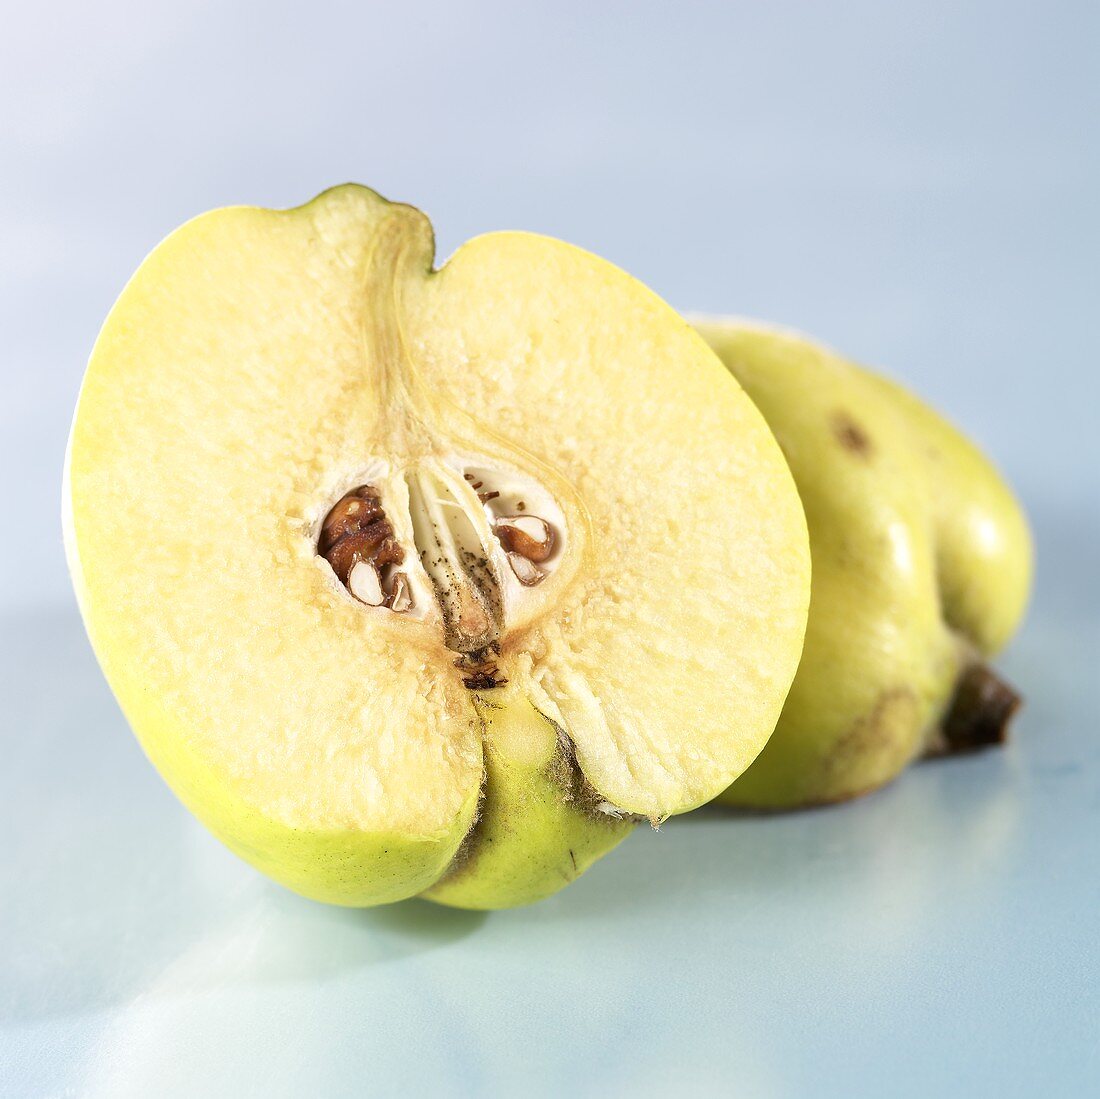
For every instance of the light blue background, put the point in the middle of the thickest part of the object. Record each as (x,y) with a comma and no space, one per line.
(915,182)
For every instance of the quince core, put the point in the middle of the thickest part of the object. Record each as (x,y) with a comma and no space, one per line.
(426,581)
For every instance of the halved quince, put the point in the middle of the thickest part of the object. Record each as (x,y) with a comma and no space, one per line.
(417,581)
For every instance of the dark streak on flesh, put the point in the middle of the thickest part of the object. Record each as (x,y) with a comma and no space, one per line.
(565,772)
(482,673)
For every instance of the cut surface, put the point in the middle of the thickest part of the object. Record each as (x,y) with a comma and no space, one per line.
(260,366)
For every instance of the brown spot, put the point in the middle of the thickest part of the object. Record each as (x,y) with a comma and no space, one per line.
(483,681)
(481,671)
(884,733)
(850,434)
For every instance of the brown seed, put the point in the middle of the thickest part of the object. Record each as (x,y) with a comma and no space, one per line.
(357,532)
(364,584)
(527,572)
(527,535)
(352,513)
(483,681)
(400,599)
(376,544)
(343,519)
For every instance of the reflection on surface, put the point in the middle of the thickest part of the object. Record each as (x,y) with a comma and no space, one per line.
(725,948)
(116,881)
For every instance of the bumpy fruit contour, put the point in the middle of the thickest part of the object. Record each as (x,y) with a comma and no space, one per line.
(921,570)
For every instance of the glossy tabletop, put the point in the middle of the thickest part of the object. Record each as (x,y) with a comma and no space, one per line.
(916,184)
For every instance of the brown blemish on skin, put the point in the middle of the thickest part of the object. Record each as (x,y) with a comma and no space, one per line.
(850,434)
(884,732)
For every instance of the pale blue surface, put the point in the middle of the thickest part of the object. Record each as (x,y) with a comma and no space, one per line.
(915,182)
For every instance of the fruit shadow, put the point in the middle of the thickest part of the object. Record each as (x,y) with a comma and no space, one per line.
(111,891)
(976,813)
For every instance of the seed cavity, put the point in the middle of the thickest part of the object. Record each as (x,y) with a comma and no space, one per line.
(357,540)
(471,534)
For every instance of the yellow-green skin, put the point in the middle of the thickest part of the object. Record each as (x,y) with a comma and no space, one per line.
(921,557)
(538,827)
